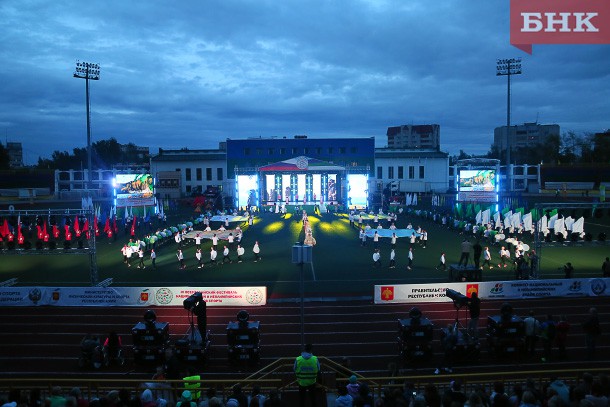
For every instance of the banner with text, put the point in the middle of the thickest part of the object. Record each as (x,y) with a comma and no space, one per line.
(130,296)
(416,293)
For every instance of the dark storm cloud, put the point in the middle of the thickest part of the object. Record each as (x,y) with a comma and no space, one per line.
(191,74)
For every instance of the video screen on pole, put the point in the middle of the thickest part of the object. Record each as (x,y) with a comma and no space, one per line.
(247,190)
(134,190)
(357,191)
(477,185)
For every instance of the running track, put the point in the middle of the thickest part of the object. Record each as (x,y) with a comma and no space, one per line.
(45,341)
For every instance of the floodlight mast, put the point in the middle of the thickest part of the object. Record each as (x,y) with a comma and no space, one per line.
(508,67)
(87,71)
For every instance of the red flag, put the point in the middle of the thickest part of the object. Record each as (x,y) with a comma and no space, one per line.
(96,228)
(55,232)
(107,225)
(133,226)
(39,232)
(76,226)
(86,229)
(5,229)
(20,238)
(45,234)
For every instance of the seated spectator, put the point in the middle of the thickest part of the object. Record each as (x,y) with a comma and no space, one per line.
(344,399)
(186,400)
(454,394)
(353,387)
(56,399)
(147,400)
(112,349)
(597,395)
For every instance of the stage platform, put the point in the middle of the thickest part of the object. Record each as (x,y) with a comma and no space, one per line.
(310,208)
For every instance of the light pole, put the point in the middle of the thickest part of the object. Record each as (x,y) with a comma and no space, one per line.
(508,67)
(301,255)
(87,71)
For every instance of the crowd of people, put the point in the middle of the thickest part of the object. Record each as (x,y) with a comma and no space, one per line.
(587,391)
(229,245)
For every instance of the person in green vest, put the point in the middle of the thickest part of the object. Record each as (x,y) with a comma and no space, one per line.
(192,382)
(306,369)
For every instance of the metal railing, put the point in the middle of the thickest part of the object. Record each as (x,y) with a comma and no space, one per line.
(279,376)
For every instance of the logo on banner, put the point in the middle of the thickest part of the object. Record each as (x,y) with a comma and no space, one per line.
(56,295)
(558,22)
(254,296)
(598,286)
(164,296)
(471,289)
(35,295)
(387,293)
(497,290)
(144,296)
(575,286)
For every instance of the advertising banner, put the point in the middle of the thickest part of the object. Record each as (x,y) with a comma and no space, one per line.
(418,293)
(130,296)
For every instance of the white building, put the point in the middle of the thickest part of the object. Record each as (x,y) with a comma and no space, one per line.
(184,172)
(412,170)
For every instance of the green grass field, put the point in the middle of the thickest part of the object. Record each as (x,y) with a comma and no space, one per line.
(340,265)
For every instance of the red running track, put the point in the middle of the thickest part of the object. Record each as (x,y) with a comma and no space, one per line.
(45,341)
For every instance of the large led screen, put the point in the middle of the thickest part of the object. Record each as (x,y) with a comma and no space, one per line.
(477,186)
(134,190)
(477,180)
(357,190)
(247,190)
(332,187)
(271,192)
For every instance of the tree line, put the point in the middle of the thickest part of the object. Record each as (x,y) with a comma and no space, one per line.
(104,154)
(569,148)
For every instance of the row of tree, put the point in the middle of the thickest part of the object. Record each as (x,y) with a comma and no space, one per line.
(569,148)
(104,154)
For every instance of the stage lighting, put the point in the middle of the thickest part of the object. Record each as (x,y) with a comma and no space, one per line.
(195,343)
(506,333)
(150,317)
(150,338)
(243,339)
(415,336)
(415,314)
(191,302)
(459,299)
(243,316)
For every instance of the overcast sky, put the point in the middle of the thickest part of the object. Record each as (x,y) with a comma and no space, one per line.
(192,73)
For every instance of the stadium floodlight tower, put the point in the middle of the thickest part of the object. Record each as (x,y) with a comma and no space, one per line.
(508,67)
(87,71)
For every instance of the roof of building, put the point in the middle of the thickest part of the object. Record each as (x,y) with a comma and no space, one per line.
(412,153)
(189,155)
